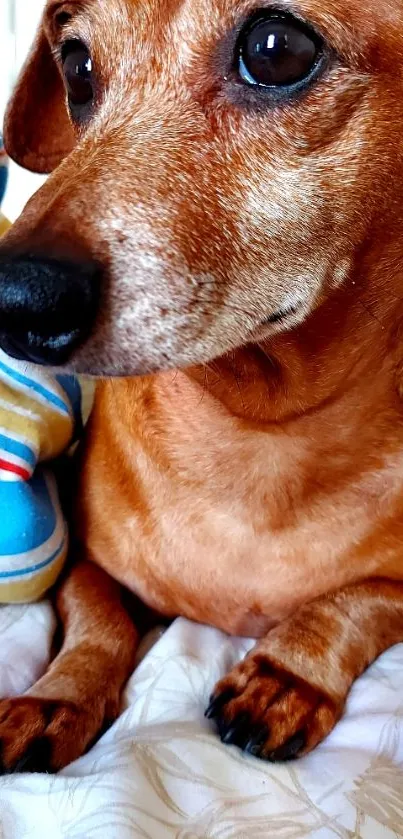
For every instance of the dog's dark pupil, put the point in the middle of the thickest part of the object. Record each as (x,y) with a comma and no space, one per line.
(77,69)
(278,52)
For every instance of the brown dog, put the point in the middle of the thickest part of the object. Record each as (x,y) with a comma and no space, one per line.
(227,195)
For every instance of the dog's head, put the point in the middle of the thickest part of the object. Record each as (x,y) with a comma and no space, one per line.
(220,168)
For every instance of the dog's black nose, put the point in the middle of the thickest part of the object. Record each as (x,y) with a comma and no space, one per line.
(47,307)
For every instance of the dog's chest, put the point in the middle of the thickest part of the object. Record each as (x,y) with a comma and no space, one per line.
(215,567)
(220,528)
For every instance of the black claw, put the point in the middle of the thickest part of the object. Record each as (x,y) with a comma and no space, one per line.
(257,740)
(227,734)
(217,703)
(237,731)
(290,749)
(36,758)
(222,726)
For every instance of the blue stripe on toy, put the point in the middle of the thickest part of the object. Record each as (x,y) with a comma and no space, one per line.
(3,169)
(72,389)
(3,180)
(27,515)
(23,572)
(52,398)
(17,448)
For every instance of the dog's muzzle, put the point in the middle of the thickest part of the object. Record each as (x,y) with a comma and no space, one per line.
(47,307)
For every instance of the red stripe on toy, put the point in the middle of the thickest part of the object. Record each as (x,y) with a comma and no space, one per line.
(17,470)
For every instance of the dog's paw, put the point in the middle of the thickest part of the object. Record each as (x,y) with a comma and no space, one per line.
(269,712)
(42,735)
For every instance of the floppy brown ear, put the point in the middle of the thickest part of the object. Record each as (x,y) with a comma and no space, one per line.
(37,130)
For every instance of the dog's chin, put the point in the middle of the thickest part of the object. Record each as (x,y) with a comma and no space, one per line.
(126,367)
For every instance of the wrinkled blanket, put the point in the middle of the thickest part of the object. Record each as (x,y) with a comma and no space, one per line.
(161,772)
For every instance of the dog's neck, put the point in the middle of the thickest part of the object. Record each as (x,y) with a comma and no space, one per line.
(350,344)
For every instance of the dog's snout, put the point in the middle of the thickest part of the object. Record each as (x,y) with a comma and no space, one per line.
(47,307)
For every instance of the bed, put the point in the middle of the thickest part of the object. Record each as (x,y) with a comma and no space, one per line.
(161,772)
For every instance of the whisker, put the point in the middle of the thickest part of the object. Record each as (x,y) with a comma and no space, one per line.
(234,373)
(369,312)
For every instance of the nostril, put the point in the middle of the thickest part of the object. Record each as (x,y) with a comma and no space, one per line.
(47,307)
(45,292)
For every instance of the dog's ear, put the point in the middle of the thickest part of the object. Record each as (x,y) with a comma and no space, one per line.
(37,130)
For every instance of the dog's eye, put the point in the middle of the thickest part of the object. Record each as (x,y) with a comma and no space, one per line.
(277,51)
(77,72)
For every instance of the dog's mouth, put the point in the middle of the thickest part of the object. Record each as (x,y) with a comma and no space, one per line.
(279,316)
(279,321)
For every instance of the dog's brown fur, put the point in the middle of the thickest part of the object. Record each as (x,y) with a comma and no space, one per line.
(259,487)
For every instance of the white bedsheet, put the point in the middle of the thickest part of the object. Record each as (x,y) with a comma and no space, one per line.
(161,772)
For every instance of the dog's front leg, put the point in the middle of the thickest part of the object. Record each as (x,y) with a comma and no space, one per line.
(57,719)
(289,692)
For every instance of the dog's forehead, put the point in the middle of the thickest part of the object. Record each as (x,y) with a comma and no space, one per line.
(368,34)
(381,12)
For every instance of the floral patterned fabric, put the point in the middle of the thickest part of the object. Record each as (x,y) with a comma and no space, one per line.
(161,772)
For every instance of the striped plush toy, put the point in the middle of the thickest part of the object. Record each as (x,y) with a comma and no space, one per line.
(40,417)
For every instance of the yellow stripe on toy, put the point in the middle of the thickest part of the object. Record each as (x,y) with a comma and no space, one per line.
(4,224)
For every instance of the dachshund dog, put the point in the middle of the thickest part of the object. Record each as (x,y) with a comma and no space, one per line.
(220,242)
